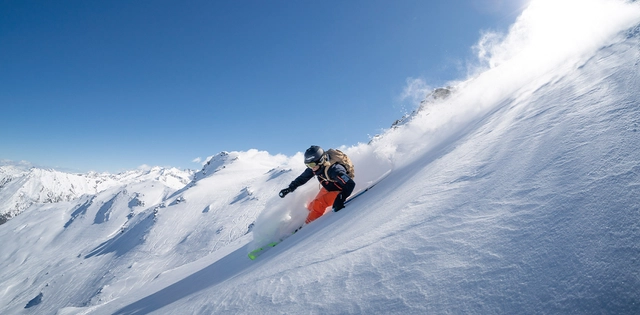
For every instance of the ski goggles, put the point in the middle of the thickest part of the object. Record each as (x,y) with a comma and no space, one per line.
(312,164)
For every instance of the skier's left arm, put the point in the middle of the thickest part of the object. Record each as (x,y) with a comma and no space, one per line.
(346,184)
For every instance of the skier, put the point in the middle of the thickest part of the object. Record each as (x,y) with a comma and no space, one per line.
(337,186)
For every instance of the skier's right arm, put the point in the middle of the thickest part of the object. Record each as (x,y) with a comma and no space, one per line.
(299,181)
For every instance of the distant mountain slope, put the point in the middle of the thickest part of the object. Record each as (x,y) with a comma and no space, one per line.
(23,186)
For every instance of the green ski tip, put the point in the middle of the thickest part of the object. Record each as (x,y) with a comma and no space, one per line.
(255,253)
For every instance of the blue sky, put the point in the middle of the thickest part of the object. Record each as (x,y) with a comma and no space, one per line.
(112,85)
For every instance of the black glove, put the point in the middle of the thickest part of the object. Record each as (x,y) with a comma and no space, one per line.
(338,204)
(284,192)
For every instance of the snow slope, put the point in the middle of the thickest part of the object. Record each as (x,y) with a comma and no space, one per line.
(518,193)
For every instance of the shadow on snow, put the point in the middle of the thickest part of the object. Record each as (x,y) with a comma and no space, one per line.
(227,267)
(125,241)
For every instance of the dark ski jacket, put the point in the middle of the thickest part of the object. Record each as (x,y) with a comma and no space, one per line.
(338,179)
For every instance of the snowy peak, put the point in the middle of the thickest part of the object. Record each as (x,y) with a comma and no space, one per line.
(230,161)
(22,186)
(214,164)
(435,96)
(171,177)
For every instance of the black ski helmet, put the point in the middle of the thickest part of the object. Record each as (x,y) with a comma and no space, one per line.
(314,154)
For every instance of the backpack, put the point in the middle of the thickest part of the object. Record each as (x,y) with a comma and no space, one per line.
(336,156)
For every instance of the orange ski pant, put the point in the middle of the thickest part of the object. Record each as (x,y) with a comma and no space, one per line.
(319,205)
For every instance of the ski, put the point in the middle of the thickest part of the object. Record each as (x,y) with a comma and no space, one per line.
(257,252)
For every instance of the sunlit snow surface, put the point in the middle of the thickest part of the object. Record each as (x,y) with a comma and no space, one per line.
(520,193)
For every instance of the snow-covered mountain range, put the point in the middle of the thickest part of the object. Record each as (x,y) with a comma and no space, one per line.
(23,185)
(517,192)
